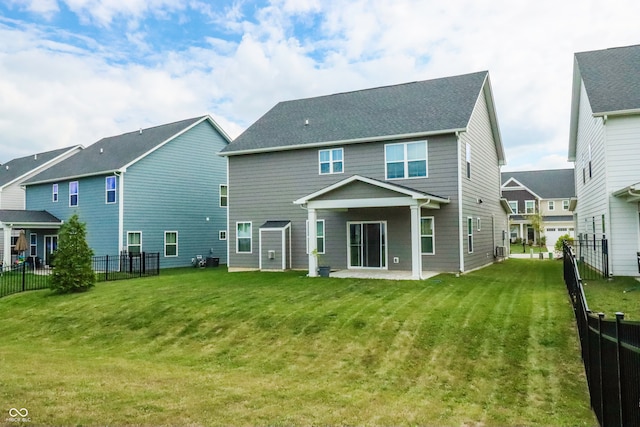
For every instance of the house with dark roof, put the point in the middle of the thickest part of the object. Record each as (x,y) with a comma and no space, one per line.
(399,178)
(549,193)
(604,144)
(160,189)
(12,194)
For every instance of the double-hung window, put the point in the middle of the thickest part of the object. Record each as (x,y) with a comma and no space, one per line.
(427,236)
(406,160)
(565,205)
(134,242)
(468,160)
(33,244)
(170,243)
(470,234)
(319,236)
(243,237)
(513,204)
(530,206)
(224,192)
(331,161)
(552,205)
(110,188)
(74,191)
(54,193)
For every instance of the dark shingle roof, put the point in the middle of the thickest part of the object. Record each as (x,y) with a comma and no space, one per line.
(112,153)
(611,78)
(9,216)
(16,168)
(437,105)
(548,184)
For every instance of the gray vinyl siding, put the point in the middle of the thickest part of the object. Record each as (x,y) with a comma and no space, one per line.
(263,187)
(176,188)
(272,240)
(484,184)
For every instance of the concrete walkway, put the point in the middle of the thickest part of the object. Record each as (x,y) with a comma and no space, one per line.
(379,274)
(535,255)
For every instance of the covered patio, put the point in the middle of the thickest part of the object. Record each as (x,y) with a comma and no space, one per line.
(24,220)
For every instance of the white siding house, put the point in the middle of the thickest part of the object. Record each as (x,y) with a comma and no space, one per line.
(605,147)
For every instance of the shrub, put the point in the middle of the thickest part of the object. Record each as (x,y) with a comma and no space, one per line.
(72,268)
(569,239)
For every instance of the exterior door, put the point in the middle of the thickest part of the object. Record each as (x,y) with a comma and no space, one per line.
(50,245)
(367,245)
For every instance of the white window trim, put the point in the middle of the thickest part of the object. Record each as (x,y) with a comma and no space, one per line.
(525,207)
(331,161)
(468,164)
(107,190)
(32,245)
(323,237)
(565,205)
(76,194)
(128,245)
(54,193)
(220,196)
(432,235)
(406,161)
(551,205)
(515,211)
(165,244)
(470,234)
(222,235)
(250,237)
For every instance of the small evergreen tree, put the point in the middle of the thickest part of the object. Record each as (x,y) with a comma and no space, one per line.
(72,268)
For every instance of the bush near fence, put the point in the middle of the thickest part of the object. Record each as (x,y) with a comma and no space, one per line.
(610,352)
(28,277)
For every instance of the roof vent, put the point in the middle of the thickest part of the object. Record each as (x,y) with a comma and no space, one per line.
(306,122)
(101,150)
(140,131)
(7,167)
(35,157)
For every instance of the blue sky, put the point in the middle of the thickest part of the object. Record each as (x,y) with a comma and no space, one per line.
(75,71)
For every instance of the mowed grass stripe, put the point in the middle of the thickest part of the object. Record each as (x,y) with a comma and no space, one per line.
(205,347)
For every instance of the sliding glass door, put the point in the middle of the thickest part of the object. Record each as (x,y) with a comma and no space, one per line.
(367,245)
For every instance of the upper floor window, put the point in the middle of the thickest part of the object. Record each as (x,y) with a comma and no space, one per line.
(110,187)
(224,195)
(513,204)
(54,193)
(468,160)
(331,161)
(530,206)
(74,191)
(406,160)
(551,205)
(565,205)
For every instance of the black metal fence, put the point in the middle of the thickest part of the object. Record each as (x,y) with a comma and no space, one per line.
(127,265)
(592,255)
(30,276)
(610,352)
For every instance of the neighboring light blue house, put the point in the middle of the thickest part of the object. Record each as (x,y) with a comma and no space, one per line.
(161,189)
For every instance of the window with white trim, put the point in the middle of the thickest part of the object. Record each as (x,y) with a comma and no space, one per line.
(551,205)
(427,236)
(222,235)
(33,244)
(331,161)
(224,195)
(110,188)
(170,243)
(134,242)
(74,191)
(530,206)
(565,205)
(513,204)
(406,160)
(319,236)
(468,160)
(54,193)
(470,234)
(243,237)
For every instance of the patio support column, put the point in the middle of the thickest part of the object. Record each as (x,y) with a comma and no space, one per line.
(313,242)
(6,256)
(416,256)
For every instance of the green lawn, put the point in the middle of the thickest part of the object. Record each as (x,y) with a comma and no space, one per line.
(496,347)
(618,294)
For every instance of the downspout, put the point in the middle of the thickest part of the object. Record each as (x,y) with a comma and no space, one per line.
(120,175)
(460,229)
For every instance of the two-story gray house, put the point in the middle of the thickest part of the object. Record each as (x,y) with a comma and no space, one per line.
(160,189)
(403,177)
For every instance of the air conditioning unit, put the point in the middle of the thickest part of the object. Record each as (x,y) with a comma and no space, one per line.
(501,251)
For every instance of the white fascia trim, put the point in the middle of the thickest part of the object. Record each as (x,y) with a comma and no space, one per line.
(373,203)
(32,225)
(522,187)
(344,142)
(74,177)
(493,118)
(629,112)
(575,109)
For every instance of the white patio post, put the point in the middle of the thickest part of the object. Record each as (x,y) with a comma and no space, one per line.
(313,242)
(416,256)
(6,257)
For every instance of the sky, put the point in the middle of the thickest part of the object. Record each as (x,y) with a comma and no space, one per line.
(75,71)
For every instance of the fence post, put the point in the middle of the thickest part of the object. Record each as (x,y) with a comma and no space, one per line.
(24,276)
(143,263)
(106,269)
(619,318)
(600,380)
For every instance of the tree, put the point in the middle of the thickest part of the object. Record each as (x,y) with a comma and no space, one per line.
(72,267)
(537,223)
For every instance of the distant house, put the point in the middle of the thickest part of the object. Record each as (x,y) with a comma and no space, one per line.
(604,144)
(545,192)
(12,194)
(403,178)
(161,189)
